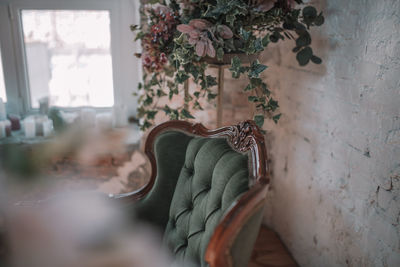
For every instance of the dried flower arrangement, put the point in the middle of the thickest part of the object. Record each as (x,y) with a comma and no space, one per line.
(181,34)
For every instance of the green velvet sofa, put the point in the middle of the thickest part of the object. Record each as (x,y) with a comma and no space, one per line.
(206,192)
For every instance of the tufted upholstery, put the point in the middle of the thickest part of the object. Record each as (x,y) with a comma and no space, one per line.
(212,176)
(197,180)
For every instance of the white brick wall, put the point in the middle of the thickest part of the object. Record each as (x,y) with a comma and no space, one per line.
(335,191)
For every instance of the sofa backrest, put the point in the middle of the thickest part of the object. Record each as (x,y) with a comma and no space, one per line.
(213,175)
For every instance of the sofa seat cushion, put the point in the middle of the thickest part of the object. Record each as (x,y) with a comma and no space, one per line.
(212,177)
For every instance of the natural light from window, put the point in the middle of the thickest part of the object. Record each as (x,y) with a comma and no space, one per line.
(68,57)
(2,83)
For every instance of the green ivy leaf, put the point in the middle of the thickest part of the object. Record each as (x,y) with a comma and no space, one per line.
(304,56)
(259,120)
(245,34)
(265,40)
(197,105)
(265,89)
(319,20)
(181,77)
(151,114)
(161,93)
(258,45)
(303,40)
(139,36)
(309,15)
(255,69)
(272,104)
(167,109)
(148,101)
(186,114)
(211,96)
(316,60)
(252,98)
(235,67)
(220,53)
(249,87)
(211,81)
(276,118)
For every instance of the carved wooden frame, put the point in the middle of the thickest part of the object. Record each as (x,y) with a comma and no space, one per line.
(244,137)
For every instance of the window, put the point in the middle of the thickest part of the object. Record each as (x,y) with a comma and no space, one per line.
(76,53)
(2,84)
(68,57)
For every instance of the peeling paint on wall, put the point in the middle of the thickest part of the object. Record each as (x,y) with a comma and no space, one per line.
(335,192)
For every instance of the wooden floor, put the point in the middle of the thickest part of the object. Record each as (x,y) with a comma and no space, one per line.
(270,251)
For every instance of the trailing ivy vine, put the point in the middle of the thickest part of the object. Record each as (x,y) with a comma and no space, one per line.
(180,35)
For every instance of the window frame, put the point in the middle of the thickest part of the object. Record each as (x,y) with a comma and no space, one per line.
(126,69)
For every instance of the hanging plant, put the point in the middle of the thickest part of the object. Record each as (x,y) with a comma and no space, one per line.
(182,36)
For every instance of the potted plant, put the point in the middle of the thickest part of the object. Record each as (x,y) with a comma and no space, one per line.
(181,37)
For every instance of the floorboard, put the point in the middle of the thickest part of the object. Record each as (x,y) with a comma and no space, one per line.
(269,251)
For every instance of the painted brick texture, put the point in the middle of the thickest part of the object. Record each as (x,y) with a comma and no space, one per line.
(335,192)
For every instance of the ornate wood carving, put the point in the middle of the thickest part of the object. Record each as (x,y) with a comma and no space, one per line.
(244,137)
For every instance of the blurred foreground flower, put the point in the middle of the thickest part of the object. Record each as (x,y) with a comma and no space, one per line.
(83,230)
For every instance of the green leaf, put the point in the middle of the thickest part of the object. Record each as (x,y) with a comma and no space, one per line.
(252,98)
(161,93)
(151,114)
(276,118)
(249,87)
(272,105)
(186,114)
(316,60)
(148,101)
(211,96)
(220,53)
(303,40)
(258,45)
(264,89)
(256,82)
(139,35)
(197,105)
(167,109)
(211,81)
(245,34)
(296,49)
(304,56)
(134,27)
(235,67)
(255,69)
(265,40)
(309,12)
(181,77)
(145,125)
(259,120)
(319,20)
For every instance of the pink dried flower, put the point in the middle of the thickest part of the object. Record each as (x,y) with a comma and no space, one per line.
(263,5)
(200,24)
(199,34)
(291,3)
(224,31)
(197,30)
(157,8)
